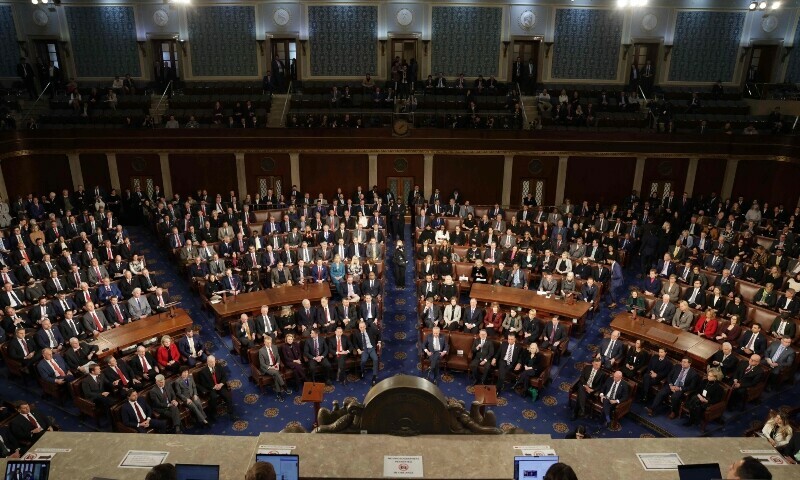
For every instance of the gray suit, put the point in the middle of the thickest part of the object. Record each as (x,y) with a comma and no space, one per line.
(683,320)
(549,287)
(139,309)
(187,390)
(161,403)
(577,251)
(93,274)
(669,310)
(785,360)
(216,268)
(264,365)
(89,324)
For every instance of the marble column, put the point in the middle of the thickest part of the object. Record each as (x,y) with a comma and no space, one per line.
(113,171)
(638,175)
(691,175)
(730,176)
(3,189)
(241,178)
(508,166)
(427,173)
(294,165)
(373,170)
(75,169)
(561,179)
(166,176)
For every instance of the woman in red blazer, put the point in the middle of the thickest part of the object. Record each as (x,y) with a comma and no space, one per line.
(493,320)
(168,356)
(707,324)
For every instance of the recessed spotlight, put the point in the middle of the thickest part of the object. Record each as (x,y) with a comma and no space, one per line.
(762,5)
(752,6)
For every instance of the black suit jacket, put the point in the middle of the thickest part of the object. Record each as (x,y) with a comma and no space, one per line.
(623,390)
(308,348)
(205,382)
(21,427)
(748,378)
(501,353)
(485,353)
(690,382)
(599,378)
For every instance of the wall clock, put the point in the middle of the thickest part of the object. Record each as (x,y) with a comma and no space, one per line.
(404,17)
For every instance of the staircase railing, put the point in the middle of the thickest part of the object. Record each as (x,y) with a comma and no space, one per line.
(28,112)
(286,104)
(158,105)
(522,106)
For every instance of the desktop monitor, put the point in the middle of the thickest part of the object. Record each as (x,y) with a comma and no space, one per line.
(532,468)
(287,467)
(187,471)
(699,471)
(27,470)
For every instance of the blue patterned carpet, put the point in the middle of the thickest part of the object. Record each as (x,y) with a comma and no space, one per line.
(262,412)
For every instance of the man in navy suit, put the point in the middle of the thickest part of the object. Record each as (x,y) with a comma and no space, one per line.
(191,347)
(107,290)
(49,337)
(614,392)
(53,369)
(752,341)
(137,415)
(507,358)
(367,343)
(611,350)
(315,351)
(231,282)
(682,379)
(435,348)
(715,261)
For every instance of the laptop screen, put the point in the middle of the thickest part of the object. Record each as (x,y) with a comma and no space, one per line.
(27,470)
(532,468)
(187,471)
(699,471)
(287,467)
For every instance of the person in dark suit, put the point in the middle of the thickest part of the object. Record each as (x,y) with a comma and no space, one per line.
(748,374)
(367,343)
(137,415)
(611,350)
(783,326)
(752,341)
(482,355)
(315,351)
(588,386)
(368,311)
(70,328)
(49,337)
(682,380)
(553,336)
(95,389)
(119,376)
(164,402)
(23,350)
(778,357)
(26,73)
(435,348)
(339,346)
(28,427)
(213,381)
(657,370)
(53,369)
(472,317)
(695,296)
(709,393)
(143,365)
(614,392)
(726,361)
(507,359)
(192,348)
(431,315)
(80,355)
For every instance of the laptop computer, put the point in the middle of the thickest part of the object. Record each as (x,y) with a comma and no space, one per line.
(190,471)
(532,468)
(287,467)
(27,470)
(699,471)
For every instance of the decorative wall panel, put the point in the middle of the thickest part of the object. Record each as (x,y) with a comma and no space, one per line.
(705,46)
(223,41)
(103,41)
(457,30)
(587,43)
(9,52)
(343,40)
(793,69)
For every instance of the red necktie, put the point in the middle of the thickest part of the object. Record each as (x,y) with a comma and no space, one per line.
(145,365)
(57,369)
(139,414)
(25,254)
(97,322)
(119,314)
(271,358)
(32,420)
(214,374)
(24,344)
(110,256)
(121,376)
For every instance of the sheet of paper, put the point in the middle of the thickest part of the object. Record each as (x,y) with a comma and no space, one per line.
(275,449)
(142,459)
(767,457)
(402,467)
(654,462)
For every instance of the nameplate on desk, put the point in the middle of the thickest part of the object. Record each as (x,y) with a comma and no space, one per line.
(402,467)
(53,450)
(668,337)
(275,449)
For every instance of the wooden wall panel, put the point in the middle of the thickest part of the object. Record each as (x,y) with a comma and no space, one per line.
(546,169)
(256,165)
(94,167)
(134,165)
(710,174)
(665,169)
(321,173)
(478,177)
(767,181)
(213,172)
(607,180)
(39,174)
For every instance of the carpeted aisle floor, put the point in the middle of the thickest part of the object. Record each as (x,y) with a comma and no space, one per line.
(261,412)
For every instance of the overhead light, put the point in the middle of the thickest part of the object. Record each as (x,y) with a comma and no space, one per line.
(753,5)
(762,5)
(45,1)
(776,5)
(35,2)
(622,3)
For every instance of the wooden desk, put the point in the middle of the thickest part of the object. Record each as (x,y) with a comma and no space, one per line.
(675,340)
(273,297)
(111,341)
(313,392)
(486,395)
(528,299)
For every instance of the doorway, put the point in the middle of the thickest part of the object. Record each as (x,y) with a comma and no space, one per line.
(761,65)
(403,50)
(47,51)
(166,64)
(400,186)
(528,52)
(286,51)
